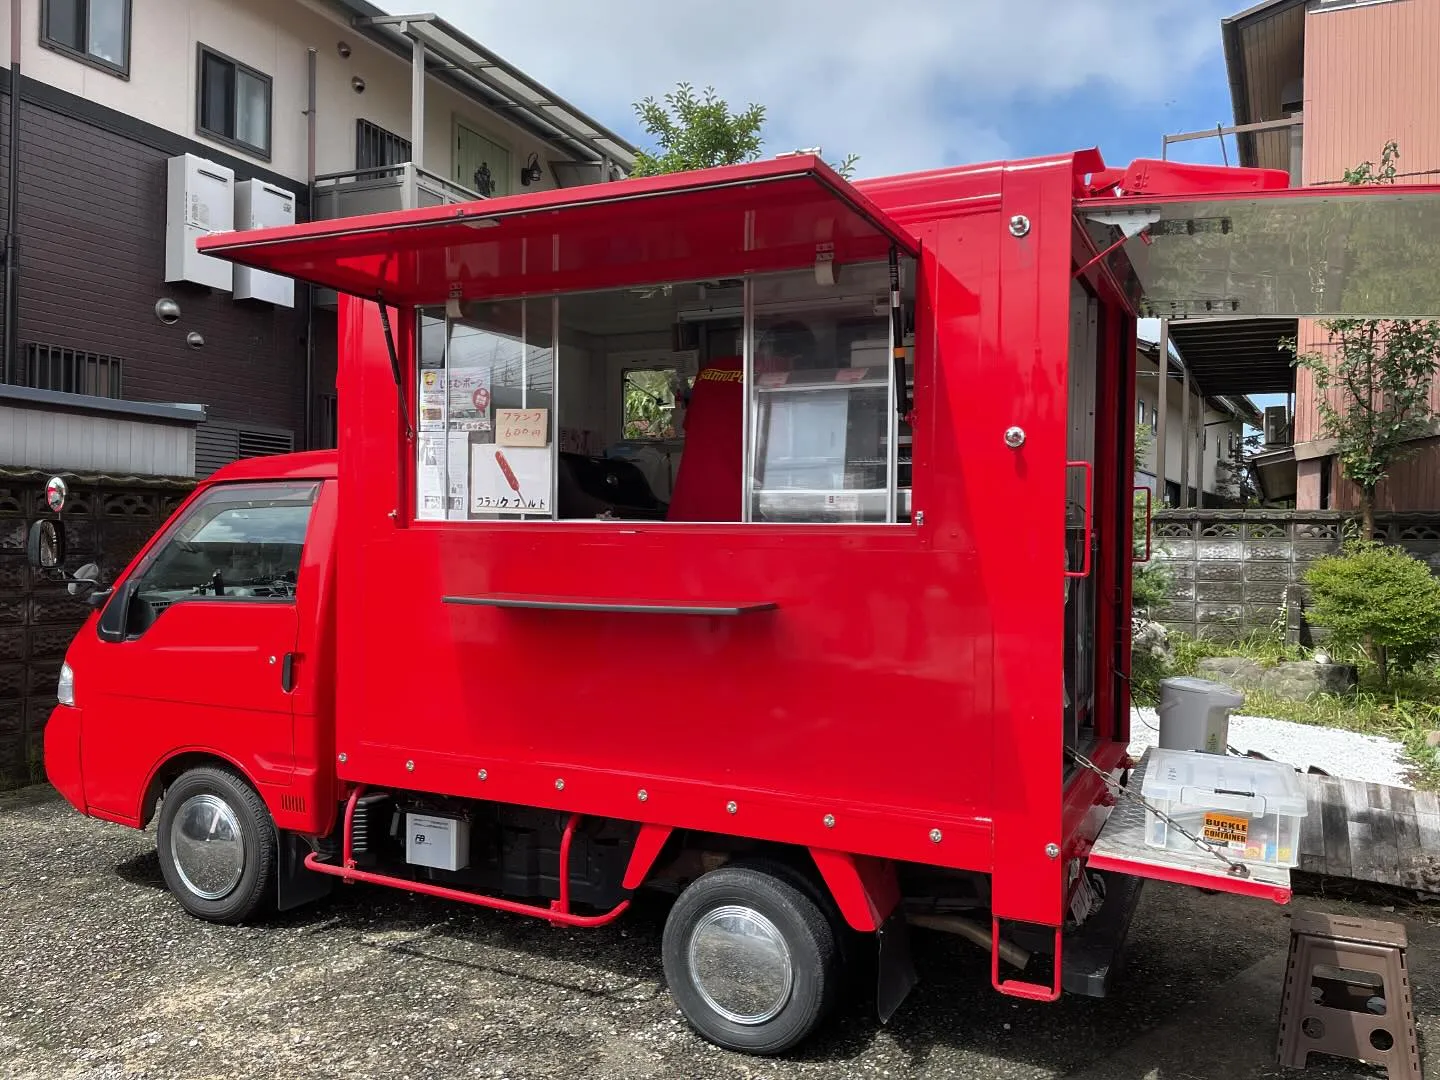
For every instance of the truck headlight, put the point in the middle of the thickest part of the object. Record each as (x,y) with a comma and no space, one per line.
(65,692)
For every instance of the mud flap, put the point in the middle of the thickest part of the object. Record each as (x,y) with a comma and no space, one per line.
(295,883)
(896,976)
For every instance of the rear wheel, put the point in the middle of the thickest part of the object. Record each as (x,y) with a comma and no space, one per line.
(751,960)
(217,846)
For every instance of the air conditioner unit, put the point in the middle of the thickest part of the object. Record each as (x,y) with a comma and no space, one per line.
(200,200)
(259,205)
(1277,426)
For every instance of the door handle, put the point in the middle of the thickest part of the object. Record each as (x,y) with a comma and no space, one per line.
(287,673)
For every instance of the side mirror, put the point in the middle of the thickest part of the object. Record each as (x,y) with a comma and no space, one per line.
(45,547)
(86,579)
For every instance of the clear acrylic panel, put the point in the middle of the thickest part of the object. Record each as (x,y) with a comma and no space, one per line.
(1347,255)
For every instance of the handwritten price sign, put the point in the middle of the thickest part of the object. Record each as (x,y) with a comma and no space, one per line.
(522,427)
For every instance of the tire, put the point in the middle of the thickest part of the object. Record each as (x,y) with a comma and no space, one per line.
(741,1002)
(210,821)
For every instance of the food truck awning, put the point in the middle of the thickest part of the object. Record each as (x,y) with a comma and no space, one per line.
(769,215)
(1362,252)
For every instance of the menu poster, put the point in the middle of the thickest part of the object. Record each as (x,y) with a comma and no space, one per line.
(432,400)
(430,478)
(522,427)
(469,399)
(509,479)
(459,468)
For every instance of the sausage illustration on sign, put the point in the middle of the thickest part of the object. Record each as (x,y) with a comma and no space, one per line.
(509,473)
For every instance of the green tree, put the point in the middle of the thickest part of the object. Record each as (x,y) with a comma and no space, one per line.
(699,131)
(1381,372)
(1380,599)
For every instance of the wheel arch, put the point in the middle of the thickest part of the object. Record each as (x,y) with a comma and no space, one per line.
(170,768)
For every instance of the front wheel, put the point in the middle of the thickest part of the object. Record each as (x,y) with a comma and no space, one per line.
(217,846)
(751,960)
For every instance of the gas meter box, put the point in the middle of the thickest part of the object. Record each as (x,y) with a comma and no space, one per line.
(1247,808)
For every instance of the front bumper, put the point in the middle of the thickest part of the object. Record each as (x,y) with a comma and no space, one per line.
(62,754)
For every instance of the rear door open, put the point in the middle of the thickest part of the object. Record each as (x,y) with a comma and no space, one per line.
(1328,253)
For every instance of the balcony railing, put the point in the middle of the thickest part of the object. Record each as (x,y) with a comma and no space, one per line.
(378,190)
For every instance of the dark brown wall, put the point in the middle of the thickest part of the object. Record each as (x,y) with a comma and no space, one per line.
(1413,484)
(92,257)
(105,523)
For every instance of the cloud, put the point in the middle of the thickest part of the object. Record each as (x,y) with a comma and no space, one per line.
(906,84)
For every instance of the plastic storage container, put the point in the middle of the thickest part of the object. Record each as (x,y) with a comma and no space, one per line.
(1250,809)
(1195,714)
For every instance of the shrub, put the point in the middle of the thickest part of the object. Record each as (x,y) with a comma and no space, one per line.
(1379,599)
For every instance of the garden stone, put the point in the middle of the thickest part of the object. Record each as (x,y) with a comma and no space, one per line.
(1236,671)
(1149,638)
(1299,681)
(1432,739)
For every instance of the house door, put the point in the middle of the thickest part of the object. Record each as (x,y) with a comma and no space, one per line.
(481,164)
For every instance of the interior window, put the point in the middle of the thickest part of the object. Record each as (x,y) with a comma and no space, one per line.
(238,542)
(485,413)
(633,404)
(825,423)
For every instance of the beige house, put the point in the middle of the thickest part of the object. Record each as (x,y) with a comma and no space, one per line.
(1212,455)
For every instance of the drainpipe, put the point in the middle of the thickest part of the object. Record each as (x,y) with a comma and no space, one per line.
(310,289)
(12,240)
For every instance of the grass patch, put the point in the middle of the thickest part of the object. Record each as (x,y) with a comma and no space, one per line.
(1405,712)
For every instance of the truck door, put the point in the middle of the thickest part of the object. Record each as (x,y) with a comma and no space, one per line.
(198,644)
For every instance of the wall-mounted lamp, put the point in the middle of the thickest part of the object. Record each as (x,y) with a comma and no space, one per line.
(167,311)
(195,339)
(343,48)
(532,172)
(357,84)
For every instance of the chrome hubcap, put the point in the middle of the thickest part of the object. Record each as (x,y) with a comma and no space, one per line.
(741,964)
(207,847)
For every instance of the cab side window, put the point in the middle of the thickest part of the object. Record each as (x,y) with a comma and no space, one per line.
(239,543)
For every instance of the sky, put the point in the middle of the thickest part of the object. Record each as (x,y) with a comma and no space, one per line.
(904,84)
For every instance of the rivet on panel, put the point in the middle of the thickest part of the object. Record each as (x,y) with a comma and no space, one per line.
(342,758)
(935,836)
(1052,850)
(1019,225)
(642,795)
(829,820)
(409,766)
(483,774)
(559,785)
(731,807)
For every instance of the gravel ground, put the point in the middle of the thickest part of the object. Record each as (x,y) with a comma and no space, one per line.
(1346,754)
(103,977)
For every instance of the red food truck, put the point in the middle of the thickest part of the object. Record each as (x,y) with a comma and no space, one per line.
(745,533)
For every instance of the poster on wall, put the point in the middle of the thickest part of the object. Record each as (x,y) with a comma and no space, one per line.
(432,400)
(430,478)
(509,479)
(459,474)
(469,399)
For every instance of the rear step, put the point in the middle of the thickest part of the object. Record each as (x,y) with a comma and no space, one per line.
(1091,955)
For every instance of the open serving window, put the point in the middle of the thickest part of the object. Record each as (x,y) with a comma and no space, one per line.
(716,346)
